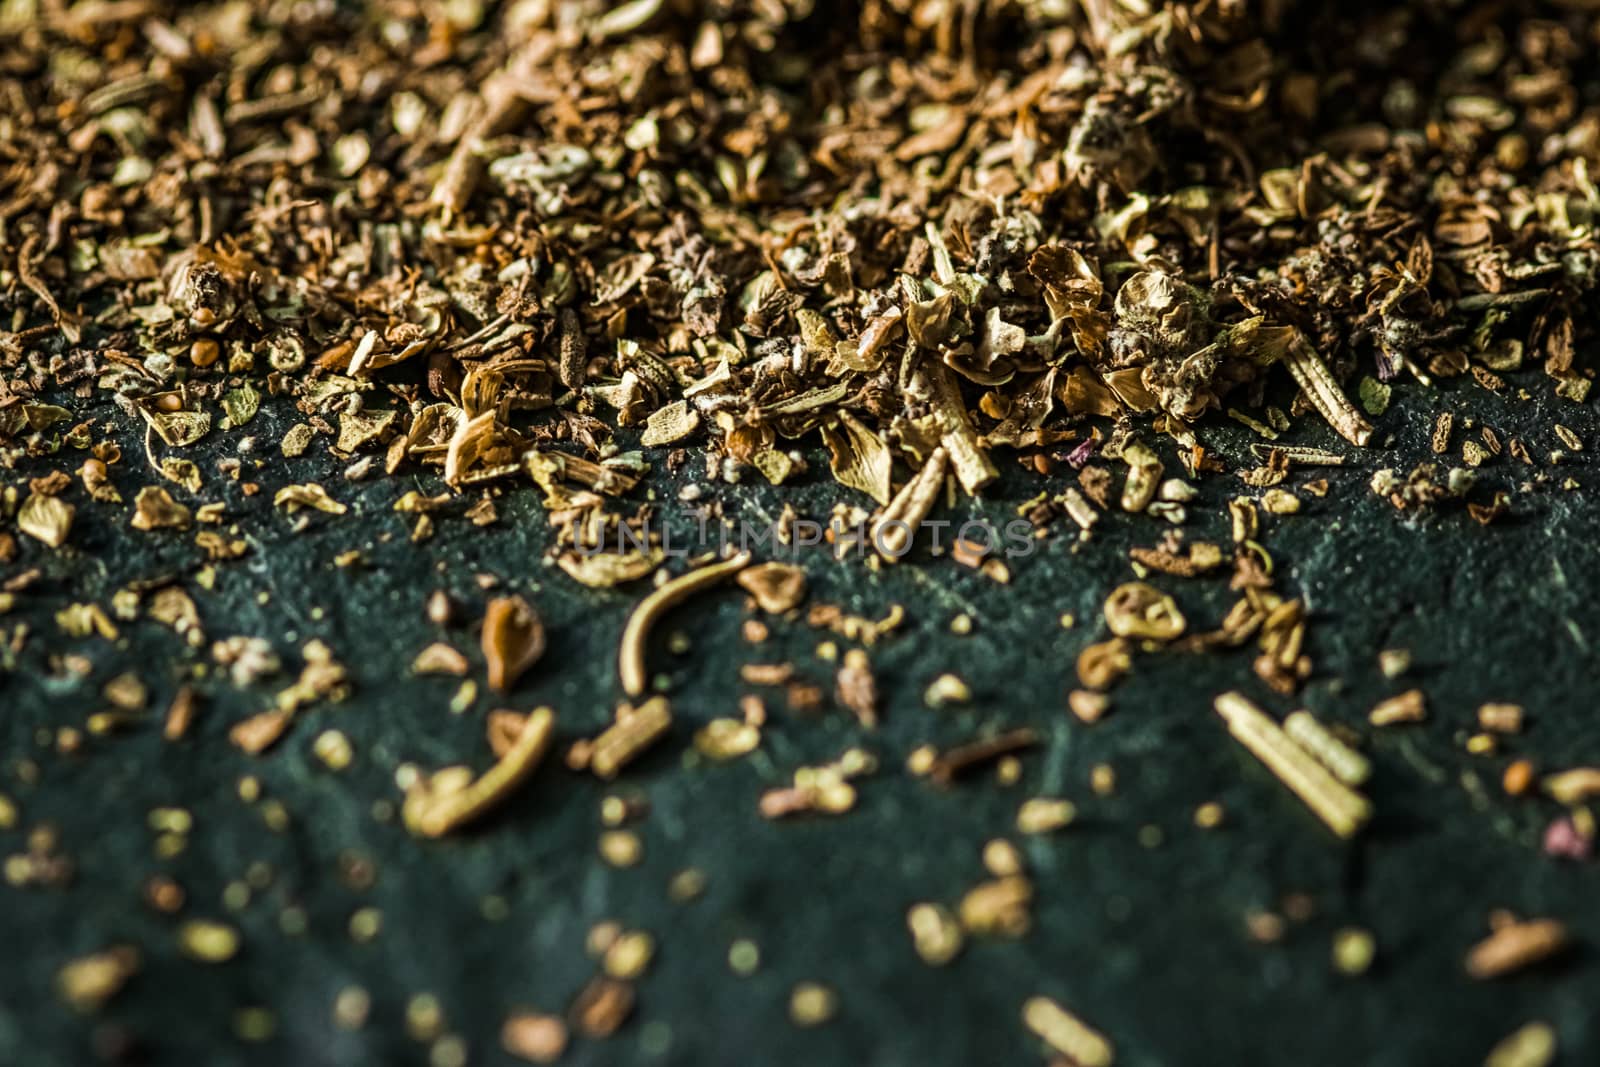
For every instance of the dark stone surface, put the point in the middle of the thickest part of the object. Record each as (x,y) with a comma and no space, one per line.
(1147,943)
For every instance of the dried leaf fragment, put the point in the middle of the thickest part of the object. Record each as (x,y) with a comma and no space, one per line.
(291,498)
(669,424)
(177,428)
(440,658)
(776,587)
(603,570)
(47,519)
(154,509)
(859,457)
(513,640)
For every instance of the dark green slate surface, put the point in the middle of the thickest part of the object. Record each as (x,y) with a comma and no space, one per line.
(1147,943)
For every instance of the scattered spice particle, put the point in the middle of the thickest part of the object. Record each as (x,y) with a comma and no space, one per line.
(812,1004)
(1042,815)
(1067,1034)
(1409,706)
(857,689)
(776,587)
(1348,765)
(89,982)
(1089,706)
(946,690)
(726,739)
(1393,662)
(635,730)
(208,941)
(1531,1045)
(998,908)
(439,803)
(744,957)
(954,762)
(621,848)
(1573,786)
(512,639)
(1353,951)
(1501,718)
(1515,946)
(935,933)
(534,1037)
(1343,809)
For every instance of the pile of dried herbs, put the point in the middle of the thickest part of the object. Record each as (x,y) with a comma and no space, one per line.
(461,234)
(481,248)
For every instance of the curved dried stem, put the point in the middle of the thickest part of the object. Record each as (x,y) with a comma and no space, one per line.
(630,657)
(440,803)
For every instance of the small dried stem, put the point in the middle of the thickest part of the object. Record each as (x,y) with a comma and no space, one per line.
(1343,809)
(632,733)
(630,657)
(895,526)
(1324,394)
(433,812)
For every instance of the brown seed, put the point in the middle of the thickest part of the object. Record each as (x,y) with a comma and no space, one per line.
(1518,778)
(204,352)
(513,640)
(180,714)
(602,1006)
(533,1037)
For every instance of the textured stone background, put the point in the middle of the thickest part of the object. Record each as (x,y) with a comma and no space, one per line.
(1147,943)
